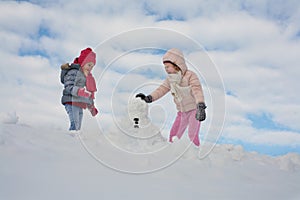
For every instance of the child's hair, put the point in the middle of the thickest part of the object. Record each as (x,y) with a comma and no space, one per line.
(175,66)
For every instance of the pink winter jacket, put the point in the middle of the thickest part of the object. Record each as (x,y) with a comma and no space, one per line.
(191,89)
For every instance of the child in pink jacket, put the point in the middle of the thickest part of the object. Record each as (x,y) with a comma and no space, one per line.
(186,89)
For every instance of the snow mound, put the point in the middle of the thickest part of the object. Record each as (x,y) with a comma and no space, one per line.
(34,160)
(136,132)
(289,162)
(226,153)
(19,136)
(9,118)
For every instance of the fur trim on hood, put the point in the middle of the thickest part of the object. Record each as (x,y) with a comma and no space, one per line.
(65,66)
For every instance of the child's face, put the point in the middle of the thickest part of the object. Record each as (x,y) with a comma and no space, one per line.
(170,68)
(87,68)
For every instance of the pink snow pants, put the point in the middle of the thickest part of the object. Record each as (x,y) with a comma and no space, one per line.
(184,119)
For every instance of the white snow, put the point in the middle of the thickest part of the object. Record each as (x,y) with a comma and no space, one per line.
(9,118)
(49,164)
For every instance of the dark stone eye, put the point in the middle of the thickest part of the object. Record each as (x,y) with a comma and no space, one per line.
(136,120)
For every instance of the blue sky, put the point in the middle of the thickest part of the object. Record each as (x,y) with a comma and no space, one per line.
(254,45)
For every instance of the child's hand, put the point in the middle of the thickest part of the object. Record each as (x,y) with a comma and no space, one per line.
(83,93)
(93,110)
(200,114)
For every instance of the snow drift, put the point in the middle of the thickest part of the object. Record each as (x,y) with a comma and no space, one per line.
(49,164)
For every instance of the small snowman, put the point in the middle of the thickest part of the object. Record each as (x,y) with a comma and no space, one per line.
(139,124)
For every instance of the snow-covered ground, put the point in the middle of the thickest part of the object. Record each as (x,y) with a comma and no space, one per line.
(47,164)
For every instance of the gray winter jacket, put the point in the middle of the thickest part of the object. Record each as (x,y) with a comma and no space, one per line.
(73,78)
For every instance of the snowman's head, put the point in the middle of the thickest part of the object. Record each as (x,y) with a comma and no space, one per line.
(137,110)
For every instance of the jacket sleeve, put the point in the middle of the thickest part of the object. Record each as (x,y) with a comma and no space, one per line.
(62,76)
(196,88)
(70,82)
(163,89)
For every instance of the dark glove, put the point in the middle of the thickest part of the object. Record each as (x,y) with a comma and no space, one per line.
(200,114)
(147,99)
(93,110)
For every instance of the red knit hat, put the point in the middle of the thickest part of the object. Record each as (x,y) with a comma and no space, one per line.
(87,55)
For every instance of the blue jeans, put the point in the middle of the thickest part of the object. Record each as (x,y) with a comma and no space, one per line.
(75,115)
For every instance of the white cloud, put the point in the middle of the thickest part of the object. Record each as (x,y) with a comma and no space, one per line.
(20,17)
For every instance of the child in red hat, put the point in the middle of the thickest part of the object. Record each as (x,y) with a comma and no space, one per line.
(79,87)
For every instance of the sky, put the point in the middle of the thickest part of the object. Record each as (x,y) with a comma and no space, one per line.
(246,54)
